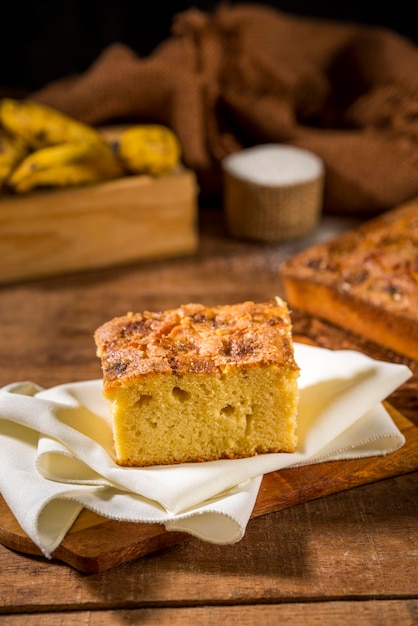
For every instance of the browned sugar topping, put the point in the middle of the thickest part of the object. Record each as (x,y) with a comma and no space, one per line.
(194,338)
(376,262)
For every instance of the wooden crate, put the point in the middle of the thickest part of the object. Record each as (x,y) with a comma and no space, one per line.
(121,221)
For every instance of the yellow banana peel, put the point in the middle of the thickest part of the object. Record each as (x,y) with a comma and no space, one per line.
(69,175)
(43,147)
(65,165)
(12,151)
(148,149)
(40,126)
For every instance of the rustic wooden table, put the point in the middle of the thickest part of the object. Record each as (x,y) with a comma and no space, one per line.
(351,555)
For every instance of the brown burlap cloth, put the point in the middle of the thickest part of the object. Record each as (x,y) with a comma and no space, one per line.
(244,75)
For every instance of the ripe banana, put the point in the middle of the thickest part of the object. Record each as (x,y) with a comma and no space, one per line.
(41,147)
(65,165)
(148,149)
(73,174)
(12,150)
(40,126)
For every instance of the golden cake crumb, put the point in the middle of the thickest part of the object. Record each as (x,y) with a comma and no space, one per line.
(200,383)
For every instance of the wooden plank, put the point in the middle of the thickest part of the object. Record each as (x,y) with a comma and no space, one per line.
(362,613)
(95,544)
(298,564)
(120,221)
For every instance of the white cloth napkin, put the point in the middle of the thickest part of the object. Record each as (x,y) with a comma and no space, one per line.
(56,453)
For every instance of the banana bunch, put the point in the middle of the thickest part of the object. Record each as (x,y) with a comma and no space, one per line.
(40,126)
(42,147)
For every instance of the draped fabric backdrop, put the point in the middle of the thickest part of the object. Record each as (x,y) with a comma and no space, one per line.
(244,74)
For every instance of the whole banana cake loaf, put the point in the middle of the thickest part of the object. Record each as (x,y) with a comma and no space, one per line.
(200,383)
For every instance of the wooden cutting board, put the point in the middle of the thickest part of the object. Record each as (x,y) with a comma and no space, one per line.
(95,544)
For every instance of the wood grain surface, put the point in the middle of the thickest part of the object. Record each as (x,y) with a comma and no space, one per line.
(352,555)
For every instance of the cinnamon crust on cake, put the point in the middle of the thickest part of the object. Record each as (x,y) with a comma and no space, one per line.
(365,280)
(200,383)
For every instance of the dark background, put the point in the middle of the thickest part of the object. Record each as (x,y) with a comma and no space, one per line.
(45,40)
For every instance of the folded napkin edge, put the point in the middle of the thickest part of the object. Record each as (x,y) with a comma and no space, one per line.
(345,453)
